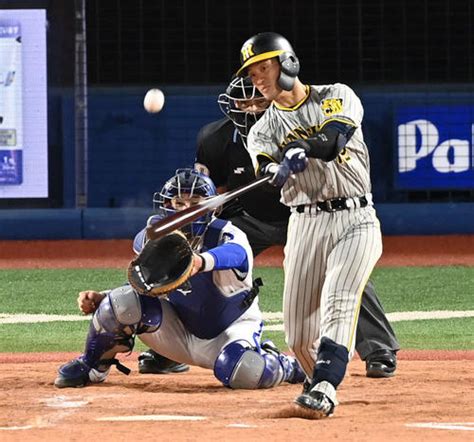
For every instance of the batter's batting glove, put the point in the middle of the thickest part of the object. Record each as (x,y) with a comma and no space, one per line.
(295,157)
(280,172)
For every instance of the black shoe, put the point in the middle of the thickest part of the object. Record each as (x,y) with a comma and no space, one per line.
(381,364)
(314,405)
(152,362)
(77,373)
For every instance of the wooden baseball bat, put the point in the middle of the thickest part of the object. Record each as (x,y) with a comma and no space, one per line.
(186,216)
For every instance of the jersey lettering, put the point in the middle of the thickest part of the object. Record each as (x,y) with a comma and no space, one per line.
(331,106)
(299,133)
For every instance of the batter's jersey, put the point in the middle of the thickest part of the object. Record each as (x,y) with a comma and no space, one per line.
(220,148)
(210,301)
(347,176)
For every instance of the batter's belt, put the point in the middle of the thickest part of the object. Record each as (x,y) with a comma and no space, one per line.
(335,204)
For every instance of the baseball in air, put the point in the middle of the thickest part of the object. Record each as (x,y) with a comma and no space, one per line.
(154,101)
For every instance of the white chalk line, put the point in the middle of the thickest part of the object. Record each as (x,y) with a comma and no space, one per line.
(461,426)
(24,427)
(269,317)
(63,405)
(151,417)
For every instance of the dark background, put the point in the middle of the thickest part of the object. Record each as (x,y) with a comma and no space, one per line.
(359,42)
(390,52)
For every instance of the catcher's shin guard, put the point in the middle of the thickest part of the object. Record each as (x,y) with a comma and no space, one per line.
(120,316)
(241,366)
(293,373)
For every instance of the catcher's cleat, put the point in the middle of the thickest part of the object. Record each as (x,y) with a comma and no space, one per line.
(77,373)
(381,364)
(314,404)
(152,362)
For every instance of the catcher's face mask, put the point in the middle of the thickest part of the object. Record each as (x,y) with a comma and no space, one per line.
(185,201)
(188,187)
(243,104)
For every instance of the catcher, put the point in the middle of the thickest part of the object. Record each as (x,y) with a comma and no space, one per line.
(190,299)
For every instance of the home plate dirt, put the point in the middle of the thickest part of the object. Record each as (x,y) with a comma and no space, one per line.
(194,406)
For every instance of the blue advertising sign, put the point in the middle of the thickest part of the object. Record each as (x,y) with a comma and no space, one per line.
(435,147)
(23,104)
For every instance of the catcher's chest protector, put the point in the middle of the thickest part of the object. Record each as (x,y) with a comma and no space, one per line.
(201,306)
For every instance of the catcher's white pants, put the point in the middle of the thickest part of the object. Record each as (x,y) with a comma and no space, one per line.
(175,342)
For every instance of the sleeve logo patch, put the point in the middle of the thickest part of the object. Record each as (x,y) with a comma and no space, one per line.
(331,106)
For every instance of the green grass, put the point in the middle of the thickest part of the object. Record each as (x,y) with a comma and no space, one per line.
(399,289)
(443,334)
(54,291)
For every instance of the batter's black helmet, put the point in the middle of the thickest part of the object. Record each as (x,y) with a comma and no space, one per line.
(269,45)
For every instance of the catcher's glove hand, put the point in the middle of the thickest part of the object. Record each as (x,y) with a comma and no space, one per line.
(163,265)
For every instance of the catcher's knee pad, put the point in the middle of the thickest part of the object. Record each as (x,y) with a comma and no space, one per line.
(239,365)
(120,316)
(124,312)
(331,363)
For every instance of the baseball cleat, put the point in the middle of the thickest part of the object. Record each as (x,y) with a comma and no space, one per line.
(314,405)
(381,364)
(76,374)
(152,362)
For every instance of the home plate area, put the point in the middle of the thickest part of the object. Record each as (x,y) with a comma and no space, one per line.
(427,399)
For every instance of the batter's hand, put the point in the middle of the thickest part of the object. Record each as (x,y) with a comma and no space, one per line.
(89,300)
(295,158)
(281,173)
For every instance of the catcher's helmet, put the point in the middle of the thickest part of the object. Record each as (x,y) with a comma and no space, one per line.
(187,186)
(269,45)
(243,104)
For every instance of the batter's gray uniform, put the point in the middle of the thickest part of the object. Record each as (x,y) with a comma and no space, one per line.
(329,256)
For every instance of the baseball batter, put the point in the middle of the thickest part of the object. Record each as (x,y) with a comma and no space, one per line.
(212,321)
(310,139)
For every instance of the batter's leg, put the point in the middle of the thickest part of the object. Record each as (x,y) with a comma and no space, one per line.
(350,262)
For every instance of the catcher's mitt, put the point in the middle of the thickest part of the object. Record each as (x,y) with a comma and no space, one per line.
(163,265)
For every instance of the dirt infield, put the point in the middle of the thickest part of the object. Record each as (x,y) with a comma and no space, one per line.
(423,392)
(398,251)
(430,398)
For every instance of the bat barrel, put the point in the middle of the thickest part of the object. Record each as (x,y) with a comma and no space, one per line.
(184,217)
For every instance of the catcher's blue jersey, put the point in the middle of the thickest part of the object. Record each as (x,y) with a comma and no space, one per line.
(210,301)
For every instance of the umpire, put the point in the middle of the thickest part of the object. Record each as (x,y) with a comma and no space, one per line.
(222,154)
